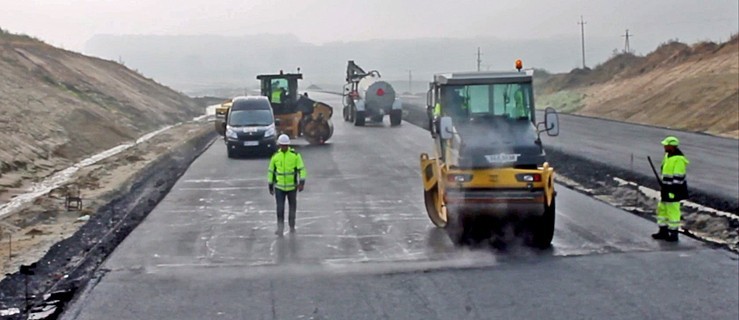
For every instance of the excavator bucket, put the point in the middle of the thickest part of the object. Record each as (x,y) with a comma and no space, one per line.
(435,208)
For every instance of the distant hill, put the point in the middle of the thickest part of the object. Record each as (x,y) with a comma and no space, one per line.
(691,87)
(198,64)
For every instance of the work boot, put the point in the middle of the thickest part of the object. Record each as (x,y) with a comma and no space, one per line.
(672,236)
(292,229)
(661,234)
(280,230)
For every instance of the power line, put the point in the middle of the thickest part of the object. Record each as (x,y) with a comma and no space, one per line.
(582,35)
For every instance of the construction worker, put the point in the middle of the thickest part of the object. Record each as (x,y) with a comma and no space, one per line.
(674,188)
(435,116)
(277,93)
(286,176)
(521,109)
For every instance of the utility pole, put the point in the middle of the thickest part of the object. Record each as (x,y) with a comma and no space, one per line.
(410,81)
(582,35)
(627,46)
(479,59)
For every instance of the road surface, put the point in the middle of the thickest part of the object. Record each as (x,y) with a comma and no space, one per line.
(366,250)
(714,166)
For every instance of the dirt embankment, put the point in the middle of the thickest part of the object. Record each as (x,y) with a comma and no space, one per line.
(678,86)
(57,107)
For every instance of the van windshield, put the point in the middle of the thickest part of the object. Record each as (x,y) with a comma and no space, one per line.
(240,118)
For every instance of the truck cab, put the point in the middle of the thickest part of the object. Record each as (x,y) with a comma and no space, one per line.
(490,163)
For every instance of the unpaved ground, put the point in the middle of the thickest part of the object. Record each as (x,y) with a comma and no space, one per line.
(29,233)
(679,86)
(58,107)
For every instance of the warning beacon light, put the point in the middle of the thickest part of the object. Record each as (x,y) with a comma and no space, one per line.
(519,65)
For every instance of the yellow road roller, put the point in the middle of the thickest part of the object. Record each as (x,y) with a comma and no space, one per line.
(489,176)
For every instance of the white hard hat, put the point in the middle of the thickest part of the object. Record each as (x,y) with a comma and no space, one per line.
(283,140)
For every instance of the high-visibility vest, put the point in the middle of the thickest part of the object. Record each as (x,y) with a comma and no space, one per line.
(286,170)
(674,170)
(277,96)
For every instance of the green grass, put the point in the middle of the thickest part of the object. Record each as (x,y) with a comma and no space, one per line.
(563,101)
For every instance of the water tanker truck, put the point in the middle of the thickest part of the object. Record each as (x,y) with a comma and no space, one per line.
(367,96)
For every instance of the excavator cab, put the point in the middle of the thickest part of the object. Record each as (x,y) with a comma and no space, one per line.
(490,164)
(296,115)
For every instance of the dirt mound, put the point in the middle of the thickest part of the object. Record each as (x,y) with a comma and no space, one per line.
(679,86)
(58,107)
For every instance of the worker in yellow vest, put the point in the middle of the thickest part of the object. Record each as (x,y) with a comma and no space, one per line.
(286,176)
(674,188)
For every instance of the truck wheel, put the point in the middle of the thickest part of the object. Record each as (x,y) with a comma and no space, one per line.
(543,228)
(396,117)
(359,118)
(347,114)
(230,153)
(352,113)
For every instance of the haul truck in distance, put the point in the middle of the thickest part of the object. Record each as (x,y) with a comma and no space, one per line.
(489,172)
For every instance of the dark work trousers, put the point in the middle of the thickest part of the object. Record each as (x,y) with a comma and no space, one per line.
(292,199)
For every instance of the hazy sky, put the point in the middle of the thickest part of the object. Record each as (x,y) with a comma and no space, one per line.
(70,23)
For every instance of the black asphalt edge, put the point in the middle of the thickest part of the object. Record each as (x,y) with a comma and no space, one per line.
(69,265)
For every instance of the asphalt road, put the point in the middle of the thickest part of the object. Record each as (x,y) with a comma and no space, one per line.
(366,250)
(714,166)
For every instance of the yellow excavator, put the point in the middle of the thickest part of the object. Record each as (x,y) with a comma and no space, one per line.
(490,173)
(296,115)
